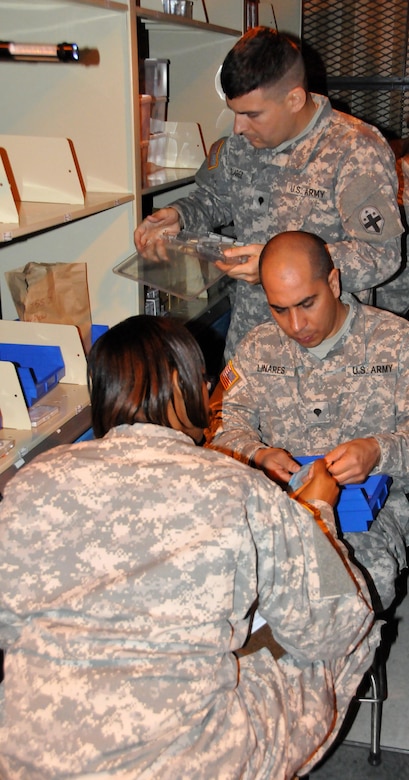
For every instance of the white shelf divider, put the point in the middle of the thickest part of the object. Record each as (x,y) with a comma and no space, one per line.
(44,169)
(46,334)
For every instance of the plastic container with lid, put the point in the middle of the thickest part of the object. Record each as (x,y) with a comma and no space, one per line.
(156,77)
(178,7)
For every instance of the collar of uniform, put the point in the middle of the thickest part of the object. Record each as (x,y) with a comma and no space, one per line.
(296,152)
(351,349)
(354,342)
(322,104)
(151,431)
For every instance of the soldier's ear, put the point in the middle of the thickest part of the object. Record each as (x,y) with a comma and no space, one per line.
(296,99)
(334,282)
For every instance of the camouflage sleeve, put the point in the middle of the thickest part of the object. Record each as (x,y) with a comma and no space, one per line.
(366,195)
(317,602)
(395,444)
(235,420)
(209,205)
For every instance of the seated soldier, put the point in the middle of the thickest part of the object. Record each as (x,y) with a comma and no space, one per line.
(330,376)
(128,568)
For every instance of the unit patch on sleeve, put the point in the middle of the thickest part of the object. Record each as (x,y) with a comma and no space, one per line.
(229,376)
(372,220)
(214,154)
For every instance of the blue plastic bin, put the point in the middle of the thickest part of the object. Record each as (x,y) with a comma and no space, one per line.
(97,331)
(358,504)
(39,368)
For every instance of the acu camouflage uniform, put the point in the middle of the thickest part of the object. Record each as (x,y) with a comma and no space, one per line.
(336,179)
(281,395)
(128,566)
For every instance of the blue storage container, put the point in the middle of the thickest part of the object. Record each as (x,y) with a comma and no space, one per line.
(97,331)
(358,504)
(39,368)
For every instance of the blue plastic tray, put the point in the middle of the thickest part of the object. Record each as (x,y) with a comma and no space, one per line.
(97,331)
(358,504)
(38,367)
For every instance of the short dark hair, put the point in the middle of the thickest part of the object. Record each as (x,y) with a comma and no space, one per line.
(315,247)
(130,372)
(261,58)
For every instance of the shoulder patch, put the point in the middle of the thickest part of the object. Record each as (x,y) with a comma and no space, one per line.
(214,154)
(229,376)
(371,219)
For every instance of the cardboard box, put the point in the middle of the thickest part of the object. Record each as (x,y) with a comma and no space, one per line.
(145,104)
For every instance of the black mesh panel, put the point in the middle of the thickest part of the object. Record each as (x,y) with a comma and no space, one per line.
(357,53)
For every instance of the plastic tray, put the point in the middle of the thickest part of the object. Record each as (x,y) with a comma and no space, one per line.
(182,265)
(359,504)
(39,368)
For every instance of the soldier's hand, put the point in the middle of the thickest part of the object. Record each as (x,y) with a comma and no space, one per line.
(320,484)
(353,461)
(276,463)
(247,258)
(155,226)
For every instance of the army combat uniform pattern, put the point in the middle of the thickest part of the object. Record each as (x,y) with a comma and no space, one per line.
(128,566)
(337,179)
(281,395)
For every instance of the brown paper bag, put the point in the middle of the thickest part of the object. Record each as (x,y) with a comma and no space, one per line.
(53,292)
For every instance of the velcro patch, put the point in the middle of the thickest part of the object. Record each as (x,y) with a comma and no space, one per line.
(229,376)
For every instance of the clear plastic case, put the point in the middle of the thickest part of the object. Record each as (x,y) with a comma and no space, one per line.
(181,265)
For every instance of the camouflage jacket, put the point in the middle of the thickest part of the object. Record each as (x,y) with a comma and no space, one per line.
(280,395)
(128,566)
(337,179)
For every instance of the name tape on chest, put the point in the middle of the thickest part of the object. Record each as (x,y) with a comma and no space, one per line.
(371,369)
(378,369)
(303,190)
(269,368)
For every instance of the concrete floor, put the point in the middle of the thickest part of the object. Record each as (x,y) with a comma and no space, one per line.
(350,762)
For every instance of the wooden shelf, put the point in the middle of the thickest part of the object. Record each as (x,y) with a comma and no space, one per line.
(72,420)
(110,5)
(158,17)
(36,217)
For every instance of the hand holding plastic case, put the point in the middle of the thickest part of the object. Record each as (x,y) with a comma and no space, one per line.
(183,265)
(358,504)
(208,246)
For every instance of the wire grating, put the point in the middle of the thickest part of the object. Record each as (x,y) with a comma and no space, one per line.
(362,48)
(383,108)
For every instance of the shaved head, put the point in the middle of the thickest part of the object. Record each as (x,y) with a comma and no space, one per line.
(295,248)
(302,287)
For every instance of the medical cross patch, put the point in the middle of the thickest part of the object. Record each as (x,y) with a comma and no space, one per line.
(372,220)
(229,376)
